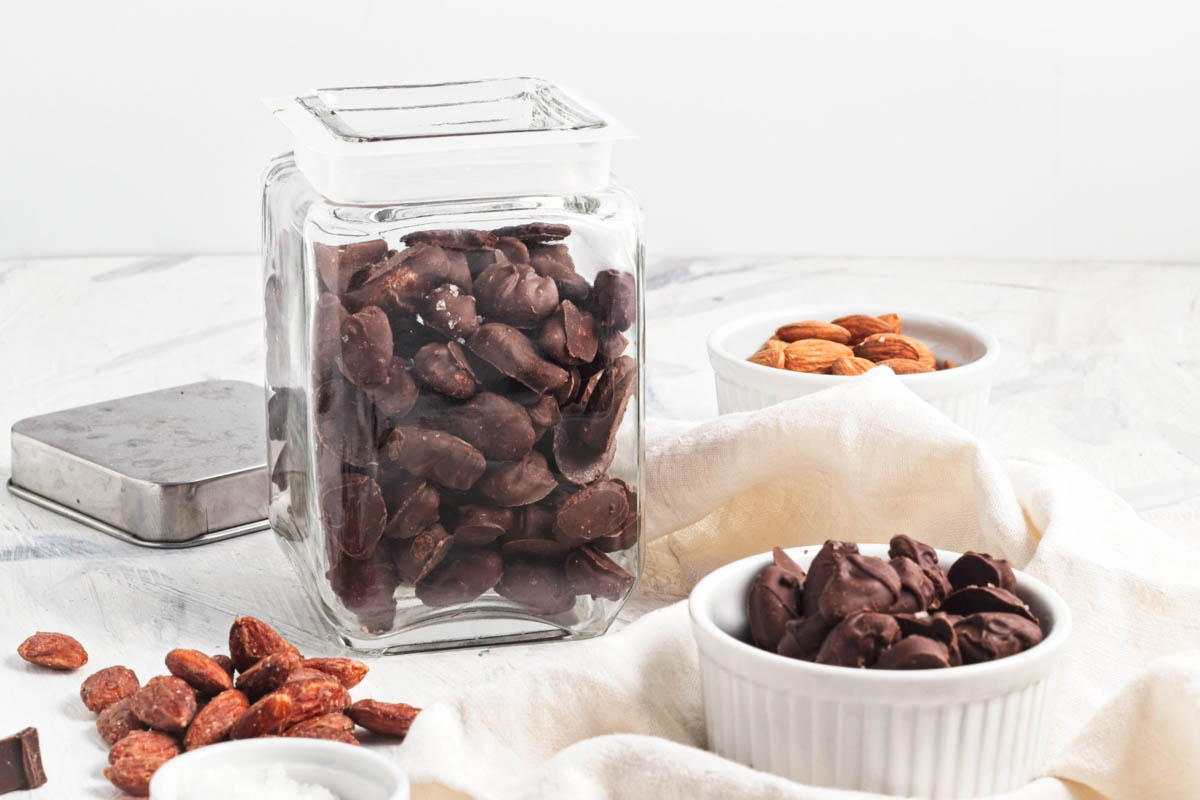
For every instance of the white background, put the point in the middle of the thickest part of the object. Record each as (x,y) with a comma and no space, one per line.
(1048,129)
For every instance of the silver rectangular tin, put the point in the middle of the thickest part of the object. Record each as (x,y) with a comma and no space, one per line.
(173,468)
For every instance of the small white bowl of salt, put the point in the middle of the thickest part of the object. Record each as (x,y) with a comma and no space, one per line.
(279,769)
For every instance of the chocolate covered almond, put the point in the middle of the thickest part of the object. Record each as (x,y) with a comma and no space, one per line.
(595,511)
(509,351)
(436,455)
(515,294)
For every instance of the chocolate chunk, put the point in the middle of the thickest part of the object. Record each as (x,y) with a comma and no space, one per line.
(590,572)
(859,583)
(500,428)
(507,349)
(21,762)
(614,299)
(328,317)
(480,525)
(346,423)
(917,592)
(606,406)
(515,294)
(628,535)
(915,652)
(451,312)
(802,638)
(517,483)
(907,547)
(413,505)
(536,231)
(444,368)
(416,557)
(464,574)
(435,454)
(544,414)
(821,569)
(454,239)
(354,515)
(990,635)
(975,599)
(859,639)
(366,347)
(569,336)
(539,585)
(773,601)
(513,249)
(554,262)
(367,588)
(547,549)
(597,510)
(396,395)
(980,569)
(338,266)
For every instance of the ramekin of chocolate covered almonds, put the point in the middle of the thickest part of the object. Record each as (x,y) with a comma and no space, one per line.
(893,668)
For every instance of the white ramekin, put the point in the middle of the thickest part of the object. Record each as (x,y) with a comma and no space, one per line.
(959,732)
(960,393)
(351,773)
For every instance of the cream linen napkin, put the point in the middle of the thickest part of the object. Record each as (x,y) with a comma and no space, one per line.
(621,716)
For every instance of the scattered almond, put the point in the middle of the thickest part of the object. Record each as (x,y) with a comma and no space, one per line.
(861,326)
(53,650)
(903,366)
(103,688)
(851,365)
(166,703)
(269,716)
(768,357)
(810,329)
(201,672)
(251,640)
(390,719)
(882,346)
(813,355)
(268,674)
(214,722)
(133,774)
(144,744)
(348,671)
(893,320)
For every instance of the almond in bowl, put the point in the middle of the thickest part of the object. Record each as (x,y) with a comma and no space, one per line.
(848,345)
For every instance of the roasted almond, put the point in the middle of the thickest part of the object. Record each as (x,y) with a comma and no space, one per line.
(768,357)
(811,329)
(107,686)
(251,640)
(774,344)
(166,703)
(269,716)
(903,366)
(387,719)
(813,355)
(861,326)
(348,671)
(53,650)
(200,671)
(893,322)
(214,722)
(144,744)
(882,346)
(268,674)
(851,365)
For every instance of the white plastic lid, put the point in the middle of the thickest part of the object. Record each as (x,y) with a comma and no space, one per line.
(488,138)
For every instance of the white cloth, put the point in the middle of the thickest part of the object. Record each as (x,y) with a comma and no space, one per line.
(621,716)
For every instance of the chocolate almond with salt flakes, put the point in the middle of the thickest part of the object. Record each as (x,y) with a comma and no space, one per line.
(397,289)
(417,557)
(590,572)
(915,652)
(859,583)
(517,483)
(479,525)
(981,569)
(933,626)
(975,599)
(500,428)
(859,640)
(535,231)
(597,510)
(907,547)
(802,638)
(515,294)
(366,354)
(463,575)
(346,425)
(570,336)
(450,311)
(607,403)
(987,636)
(458,239)
(821,569)
(354,514)
(614,299)
(338,266)
(436,455)
(444,368)
(544,414)
(772,602)
(413,508)
(397,393)
(917,592)
(538,585)
(554,262)
(513,249)
(510,352)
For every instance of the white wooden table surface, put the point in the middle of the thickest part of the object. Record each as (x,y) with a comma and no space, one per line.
(1100,366)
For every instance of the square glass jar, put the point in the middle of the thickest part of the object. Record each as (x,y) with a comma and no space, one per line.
(453,287)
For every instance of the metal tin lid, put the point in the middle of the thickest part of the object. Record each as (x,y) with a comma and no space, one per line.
(173,468)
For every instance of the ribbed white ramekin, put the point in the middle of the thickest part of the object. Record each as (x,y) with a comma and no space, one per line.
(959,732)
(960,393)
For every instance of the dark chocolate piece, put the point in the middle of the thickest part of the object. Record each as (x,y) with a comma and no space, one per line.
(537,584)
(451,312)
(859,639)
(396,395)
(366,346)
(397,288)
(554,262)
(435,454)
(509,351)
(354,515)
(614,299)
(346,423)
(990,635)
(980,569)
(463,575)
(416,557)
(577,461)
(606,406)
(934,626)
(859,583)
(517,483)
(328,317)
(515,294)
(612,345)
(785,562)
(907,547)
(413,505)
(480,525)
(917,592)
(536,231)
(367,588)
(462,239)
(500,428)
(597,510)
(915,652)
(569,336)
(974,599)
(544,414)
(802,638)
(628,535)
(513,249)
(773,601)
(821,569)
(590,572)
(444,368)
(21,762)
(338,266)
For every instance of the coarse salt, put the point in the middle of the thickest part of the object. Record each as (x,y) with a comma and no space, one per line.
(250,784)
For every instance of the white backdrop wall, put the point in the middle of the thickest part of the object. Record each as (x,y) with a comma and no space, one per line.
(1049,129)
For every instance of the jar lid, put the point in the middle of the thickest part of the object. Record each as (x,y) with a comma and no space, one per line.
(172,468)
(471,139)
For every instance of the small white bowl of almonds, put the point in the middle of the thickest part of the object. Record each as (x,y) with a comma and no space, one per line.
(776,356)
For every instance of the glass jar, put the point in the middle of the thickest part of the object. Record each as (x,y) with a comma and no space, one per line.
(454,328)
